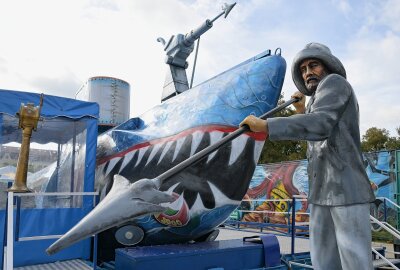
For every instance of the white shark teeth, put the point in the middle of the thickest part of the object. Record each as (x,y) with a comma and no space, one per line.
(198,205)
(197,136)
(220,198)
(237,146)
(128,157)
(179,144)
(177,204)
(154,151)
(111,164)
(171,189)
(141,153)
(165,150)
(169,192)
(214,137)
(103,193)
(258,146)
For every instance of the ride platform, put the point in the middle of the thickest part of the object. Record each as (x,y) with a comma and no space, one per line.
(253,253)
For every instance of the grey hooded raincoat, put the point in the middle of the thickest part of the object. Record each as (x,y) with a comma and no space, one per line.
(331,126)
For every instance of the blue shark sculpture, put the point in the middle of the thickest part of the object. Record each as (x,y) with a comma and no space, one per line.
(138,208)
(204,194)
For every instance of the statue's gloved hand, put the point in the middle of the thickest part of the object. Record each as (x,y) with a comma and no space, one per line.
(255,124)
(300,105)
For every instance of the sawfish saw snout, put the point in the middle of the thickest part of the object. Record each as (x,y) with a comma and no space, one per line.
(124,202)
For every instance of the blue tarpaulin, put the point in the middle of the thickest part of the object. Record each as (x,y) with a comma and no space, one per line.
(50,221)
(53,106)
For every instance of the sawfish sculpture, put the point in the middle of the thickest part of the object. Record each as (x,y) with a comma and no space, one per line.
(191,204)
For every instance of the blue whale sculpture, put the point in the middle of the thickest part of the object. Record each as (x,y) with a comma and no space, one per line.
(203,195)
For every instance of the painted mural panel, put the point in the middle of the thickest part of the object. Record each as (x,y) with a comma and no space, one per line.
(271,190)
(381,170)
(272,187)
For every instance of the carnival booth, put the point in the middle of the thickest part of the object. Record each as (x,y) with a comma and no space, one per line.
(60,175)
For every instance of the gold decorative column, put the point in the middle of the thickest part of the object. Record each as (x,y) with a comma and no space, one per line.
(29,115)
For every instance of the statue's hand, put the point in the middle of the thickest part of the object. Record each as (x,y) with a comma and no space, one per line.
(300,105)
(255,124)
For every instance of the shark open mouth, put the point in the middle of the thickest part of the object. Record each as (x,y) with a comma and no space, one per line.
(217,179)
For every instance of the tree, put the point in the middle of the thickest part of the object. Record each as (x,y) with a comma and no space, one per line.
(376,139)
(278,151)
(393,142)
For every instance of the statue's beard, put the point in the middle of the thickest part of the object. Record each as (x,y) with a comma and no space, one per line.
(312,82)
(312,85)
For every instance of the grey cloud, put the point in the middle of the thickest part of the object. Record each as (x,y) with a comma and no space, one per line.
(65,86)
(372,65)
(378,14)
(390,14)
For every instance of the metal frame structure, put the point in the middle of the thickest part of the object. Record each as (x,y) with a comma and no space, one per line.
(12,234)
(177,49)
(384,259)
(291,226)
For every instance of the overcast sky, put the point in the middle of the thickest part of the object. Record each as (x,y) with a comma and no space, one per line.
(54,46)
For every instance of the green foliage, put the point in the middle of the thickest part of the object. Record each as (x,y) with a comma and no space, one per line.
(278,151)
(283,151)
(376,139)
(382,236)
(393,142)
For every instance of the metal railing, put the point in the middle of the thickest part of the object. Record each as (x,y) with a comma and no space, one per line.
(301,265)
(384,258)
(387,227)
(390,201)
(383,223)
(291,226)
(13,235)
(292,213)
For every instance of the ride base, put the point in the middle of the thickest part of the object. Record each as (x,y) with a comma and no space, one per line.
(257,253)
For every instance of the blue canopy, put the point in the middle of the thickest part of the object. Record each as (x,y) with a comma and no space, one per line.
(61,120)
(53,106)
